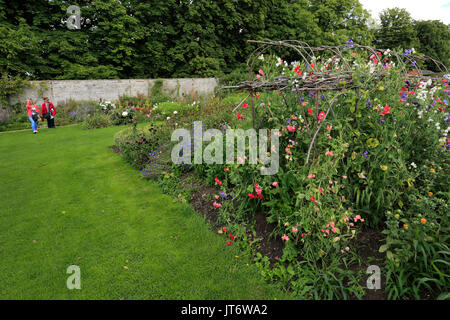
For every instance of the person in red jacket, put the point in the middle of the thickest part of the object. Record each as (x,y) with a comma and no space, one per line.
(33,114)
(48,112)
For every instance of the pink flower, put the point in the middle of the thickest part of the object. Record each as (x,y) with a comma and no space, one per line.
(216,197)
(311,176)
(329,127)
(217,205)
(275,184)
(294,230)
(291,128)
(261,72)
(285,238)
(329,153)
(258,76)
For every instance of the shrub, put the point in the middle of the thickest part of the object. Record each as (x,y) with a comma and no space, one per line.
(97,120)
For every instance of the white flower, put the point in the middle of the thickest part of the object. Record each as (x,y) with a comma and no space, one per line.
(168,118)
(124,114)
(414,165)
(175,112)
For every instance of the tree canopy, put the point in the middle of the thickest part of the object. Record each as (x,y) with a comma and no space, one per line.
(185,38)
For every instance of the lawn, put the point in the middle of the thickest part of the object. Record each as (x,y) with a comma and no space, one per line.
(67,199)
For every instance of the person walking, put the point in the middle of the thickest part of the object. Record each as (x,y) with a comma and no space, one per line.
(33,114)
(48,112)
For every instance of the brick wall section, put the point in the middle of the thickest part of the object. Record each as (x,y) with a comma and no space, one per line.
(93,90)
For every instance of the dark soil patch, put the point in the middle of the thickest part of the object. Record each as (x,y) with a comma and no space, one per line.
(269,245)
(201,202)
(367,244)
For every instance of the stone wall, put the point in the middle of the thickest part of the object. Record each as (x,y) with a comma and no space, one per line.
(60,91)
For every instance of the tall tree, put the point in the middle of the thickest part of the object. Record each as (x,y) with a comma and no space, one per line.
(434,37)
(397,30)
(340,20)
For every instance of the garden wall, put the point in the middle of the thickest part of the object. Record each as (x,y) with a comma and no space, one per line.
(82,90)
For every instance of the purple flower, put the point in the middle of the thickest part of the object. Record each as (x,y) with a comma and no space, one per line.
(223,195)
(365,154)
(350,43)
(369,104)
(407,52)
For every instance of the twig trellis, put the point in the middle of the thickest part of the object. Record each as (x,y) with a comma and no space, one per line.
(320,81)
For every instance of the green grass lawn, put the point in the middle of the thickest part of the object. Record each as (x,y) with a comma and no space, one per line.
(67,199)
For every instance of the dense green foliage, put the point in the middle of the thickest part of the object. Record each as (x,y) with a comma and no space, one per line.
(151,39)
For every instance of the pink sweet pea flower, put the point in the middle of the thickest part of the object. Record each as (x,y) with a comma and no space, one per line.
(275,184)
(285,238)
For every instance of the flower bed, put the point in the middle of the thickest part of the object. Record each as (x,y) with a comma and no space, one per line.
(367,157)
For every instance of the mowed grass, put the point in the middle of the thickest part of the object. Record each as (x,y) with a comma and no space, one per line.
(67,199)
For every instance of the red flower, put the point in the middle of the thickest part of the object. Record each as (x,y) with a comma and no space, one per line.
(239,116)
(226,169)
(312,198)
(218,181)
(385,110)
(244,105)
(310,111)
(321,116)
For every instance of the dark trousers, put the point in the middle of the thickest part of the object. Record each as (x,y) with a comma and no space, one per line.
(51,123)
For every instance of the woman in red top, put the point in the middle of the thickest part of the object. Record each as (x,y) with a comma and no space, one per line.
(33,114)
(47,107)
